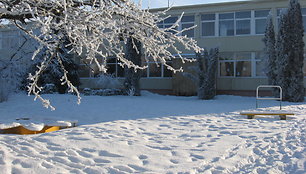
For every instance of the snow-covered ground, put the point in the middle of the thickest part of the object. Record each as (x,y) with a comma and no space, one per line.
(154,134)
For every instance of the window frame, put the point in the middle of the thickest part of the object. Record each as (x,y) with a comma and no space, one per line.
(189,22)
(210,21)
(253,60)
(236,19)
(260,18)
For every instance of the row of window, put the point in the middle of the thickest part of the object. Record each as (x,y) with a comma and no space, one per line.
(115,69)
(240,64)
(235,23)
(250,22)
(244,64)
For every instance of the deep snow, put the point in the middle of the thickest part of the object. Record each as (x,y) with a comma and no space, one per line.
(154,134)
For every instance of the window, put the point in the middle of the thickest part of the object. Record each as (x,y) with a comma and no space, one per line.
(187,22)
(260,21)
(156,70)
(235,64)
(226,24)
(226,64)
(208,24)
(243,22)
(114,68)
(167,23)
(238,23)
(92,70)
(243,65)
(260,64)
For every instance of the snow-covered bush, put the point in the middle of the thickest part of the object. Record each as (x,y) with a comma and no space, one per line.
(205,73)
(4,89)
(53,73)
(102,92)
(108,81)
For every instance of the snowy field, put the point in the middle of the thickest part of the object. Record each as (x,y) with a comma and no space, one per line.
(154,134)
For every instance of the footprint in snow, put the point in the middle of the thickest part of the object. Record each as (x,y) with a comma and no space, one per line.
(108,154)
(142,157)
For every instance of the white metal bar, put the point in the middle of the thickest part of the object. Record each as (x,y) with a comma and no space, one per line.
(262,98)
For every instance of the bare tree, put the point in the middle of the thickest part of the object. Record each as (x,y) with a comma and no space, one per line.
(94,28)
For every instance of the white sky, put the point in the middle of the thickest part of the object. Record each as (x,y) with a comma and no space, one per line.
(164,3)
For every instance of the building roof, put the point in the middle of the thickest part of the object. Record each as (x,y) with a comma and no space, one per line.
(217,4)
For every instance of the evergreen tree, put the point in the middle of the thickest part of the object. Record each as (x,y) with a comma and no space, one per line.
(290,50)
(132,76)
(296,89)
(54,72)
(269,41)
(207,73)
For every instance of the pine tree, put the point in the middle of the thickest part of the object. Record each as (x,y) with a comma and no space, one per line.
(132,76)
(269,41)
(282,53)
(296,89)
(207,73)
(54,72)
(290,53)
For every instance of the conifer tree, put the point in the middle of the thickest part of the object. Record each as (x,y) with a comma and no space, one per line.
(132,76)
(269,41)
(296,53)
(207,73)
(290,50)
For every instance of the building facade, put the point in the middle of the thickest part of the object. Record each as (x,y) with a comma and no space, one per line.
(236,28)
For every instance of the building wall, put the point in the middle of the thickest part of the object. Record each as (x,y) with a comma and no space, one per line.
(251,43)
(236,44)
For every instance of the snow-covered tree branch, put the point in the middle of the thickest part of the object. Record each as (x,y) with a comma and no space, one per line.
(93,28)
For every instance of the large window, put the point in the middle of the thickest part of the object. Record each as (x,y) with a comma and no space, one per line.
(88,70)
(208,24)
(243,22)
(241,64)
(156,70)
(260,64)
(187,22)
(238,23)
(226,65)
(167,23)
(261,21)
(226,24)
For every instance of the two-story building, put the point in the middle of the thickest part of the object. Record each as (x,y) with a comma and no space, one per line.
(236,28)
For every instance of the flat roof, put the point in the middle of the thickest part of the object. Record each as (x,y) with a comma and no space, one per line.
(215,4)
